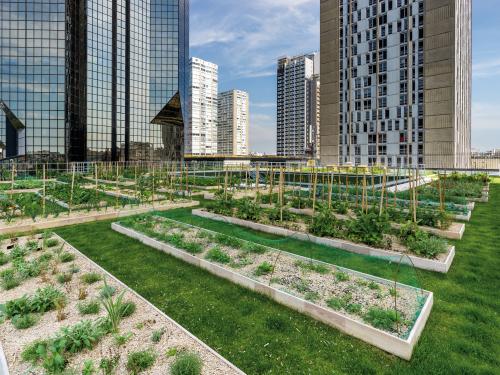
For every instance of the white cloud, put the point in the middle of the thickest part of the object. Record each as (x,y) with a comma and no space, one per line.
(249,36)
(486,68)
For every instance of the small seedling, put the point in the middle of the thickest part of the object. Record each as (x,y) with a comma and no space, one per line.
(264,269)
(172,352)
(121,340)
(157,335)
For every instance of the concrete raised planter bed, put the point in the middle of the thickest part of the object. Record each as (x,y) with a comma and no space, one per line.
(418,262)
(393,344)
(27,225)
(4,369)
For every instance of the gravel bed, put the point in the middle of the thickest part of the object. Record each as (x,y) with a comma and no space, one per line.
(314,281)
(140,324)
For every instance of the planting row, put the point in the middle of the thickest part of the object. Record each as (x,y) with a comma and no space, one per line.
(371,228)
(60,312)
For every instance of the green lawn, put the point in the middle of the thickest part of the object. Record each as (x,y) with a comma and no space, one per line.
(261,337)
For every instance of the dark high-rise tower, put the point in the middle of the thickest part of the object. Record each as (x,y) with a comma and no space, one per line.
(93,79)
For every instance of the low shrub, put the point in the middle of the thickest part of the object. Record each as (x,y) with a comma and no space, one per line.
(121,340)
(24,321)
(4,259)
(89,307)
(254,248)
(382,318)
(187,364)
(138,362)
(217,255)
(91,278)
(191,247)
(264,269)
(420,242)
(325,224)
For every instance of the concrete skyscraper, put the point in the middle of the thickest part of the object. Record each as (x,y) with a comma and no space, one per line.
(100,80)
(201,134)
(396,82)
(234,122)
(297,92)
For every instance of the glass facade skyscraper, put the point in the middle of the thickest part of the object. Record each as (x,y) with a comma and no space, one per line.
(93,79)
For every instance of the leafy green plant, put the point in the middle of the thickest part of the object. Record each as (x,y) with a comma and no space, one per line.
(107,291)
(51,355)
(420,242)
(83,335)
(89,307)
(9,279)
(46,299)
(325,224)
(264,269)
(369,229)
(138,362)
(253,248)
(88,368)
(171,352)
(91,278)
(187,364)
(217,255)
(382,318)
(247,209)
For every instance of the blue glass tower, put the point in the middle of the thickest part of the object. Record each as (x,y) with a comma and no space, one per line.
(99,80)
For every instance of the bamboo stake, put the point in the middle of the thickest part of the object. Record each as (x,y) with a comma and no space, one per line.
(281,194)
(44,192)
(382,192)
(12,180)
(314,191)
(330,190)
(72,189)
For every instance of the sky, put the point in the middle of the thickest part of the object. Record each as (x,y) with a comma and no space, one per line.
(246,38)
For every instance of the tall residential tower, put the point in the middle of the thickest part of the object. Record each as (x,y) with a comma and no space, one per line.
(201,135)
(396,82)
(100,80)
(234,122)
(297,90)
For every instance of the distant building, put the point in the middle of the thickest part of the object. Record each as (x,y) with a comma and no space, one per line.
(201,133)
(233,123)
(396,87)
(297,94)
(313,115)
